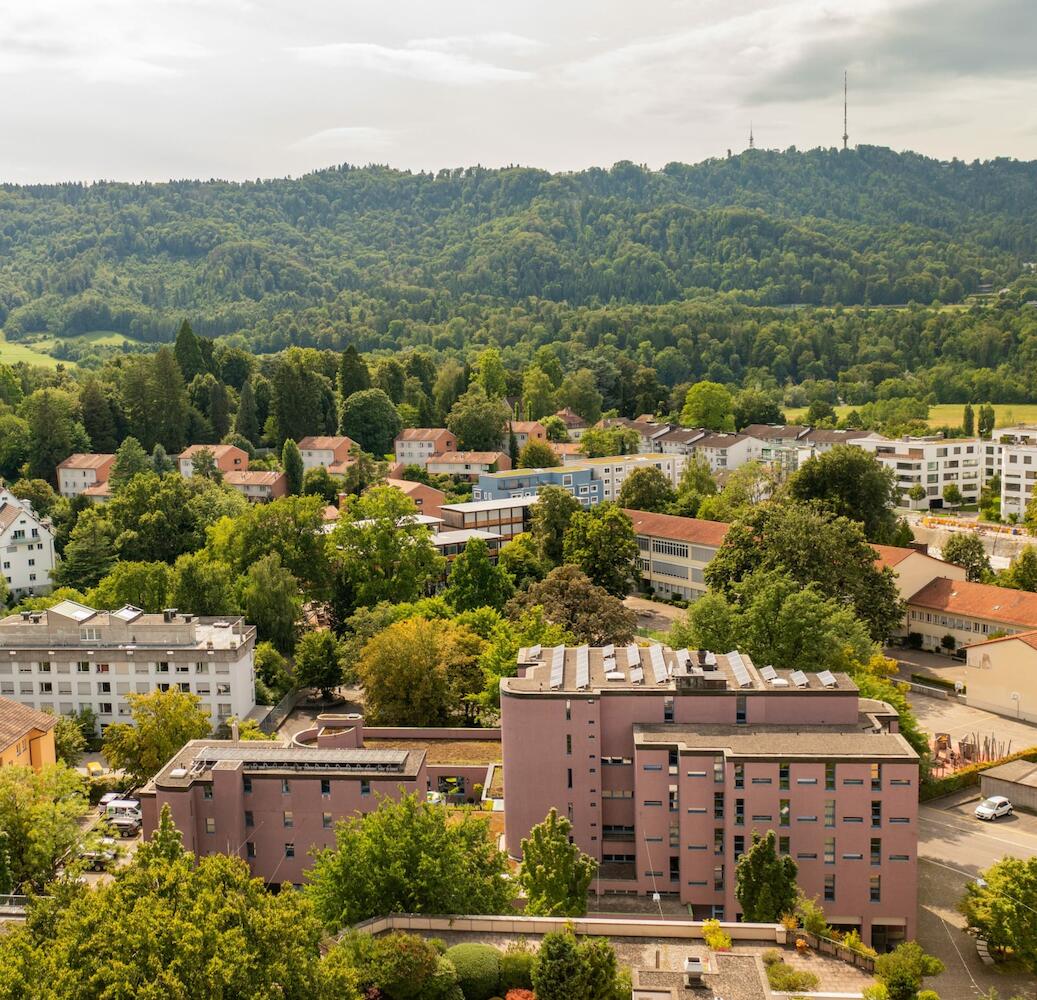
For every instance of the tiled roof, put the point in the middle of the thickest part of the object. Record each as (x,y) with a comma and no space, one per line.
(17,720)
(978,600)
(684,529)
(421,433)
(9,513)
(217,450)
(684,434)
(261,477)
(719,440)
(82,461)
(99,490)
(570,419)
(407,486)
(527,426)
(325,443)
(1028,638)
(892,555)
(467,457)
(772,432)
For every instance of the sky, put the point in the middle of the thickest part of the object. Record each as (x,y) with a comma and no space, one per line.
(240,89)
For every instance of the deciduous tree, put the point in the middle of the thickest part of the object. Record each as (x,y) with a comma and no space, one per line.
(475,582)
(647,489)
(550,520)
(521,560)
(478,421)
(1002,906)
(602,543)
(537,455)
(765,881)
(272,602)
(318,662)
(145,585)
(967,551)
(709,405)
(370,419)
(555,873)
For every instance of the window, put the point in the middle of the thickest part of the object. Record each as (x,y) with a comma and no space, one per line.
(718,877)
(569,744)
(876,777)
(829,888)
(739,846)
(674,800)
(718,840)
(325,787)
(829,850)
(45,666)
(287,818)
(286,787)
(365,786)
(783,776)
(247,783)
(675,868)
(162,667)
(289,850)
(829,812)
(210,824)
(83,667)
(741,709)
(568,711)
(249,818)
(718,805)
(739,812)
(206,791)
(667,709)
(89,634)
(783,845)
(718,769)
(876,813)
(875,889)
(569,777)
(673,762)
(739,776)
(784,812)
(326,820)
(46,687)
(830,777)
(250,850)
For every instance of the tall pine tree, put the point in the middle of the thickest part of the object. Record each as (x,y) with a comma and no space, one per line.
(188,352)
(170,395)
(353,375)
(96,410)
(246,422)
(291,462)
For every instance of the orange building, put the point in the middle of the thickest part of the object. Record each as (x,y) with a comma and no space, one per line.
(26,736)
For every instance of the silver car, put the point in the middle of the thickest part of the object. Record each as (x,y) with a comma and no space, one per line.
(992,808)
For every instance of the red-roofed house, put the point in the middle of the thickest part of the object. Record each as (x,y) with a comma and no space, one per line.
(427,498)
(260,486)
(26,735)
(229,458)
(575,425)
(526,431)
(324,451)
(416,445)
(1001,675)
(673,552)
(914,569)
(79,472)
(469,464)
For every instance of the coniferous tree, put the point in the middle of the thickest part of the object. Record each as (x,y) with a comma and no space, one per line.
(89,554)
(96,411)
(188,352)
(291,462)
(246,421)
(219,409)
(353,375)
(968,420)
(130,460)
(161,463)
(170,399)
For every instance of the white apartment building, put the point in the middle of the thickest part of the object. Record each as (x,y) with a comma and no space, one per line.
(933,463)
(1013,453)
(80,473)
(416,445)
(611,471)
(26,546)
(71,657)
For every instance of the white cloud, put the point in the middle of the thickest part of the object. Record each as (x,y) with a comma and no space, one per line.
(427,64)
(503,41)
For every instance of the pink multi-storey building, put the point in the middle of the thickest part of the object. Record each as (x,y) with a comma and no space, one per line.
(667,761)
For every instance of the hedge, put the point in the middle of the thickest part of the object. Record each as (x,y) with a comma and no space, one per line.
(968,777)
(478,969)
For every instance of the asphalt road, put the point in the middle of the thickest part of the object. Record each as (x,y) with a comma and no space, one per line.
(954,848)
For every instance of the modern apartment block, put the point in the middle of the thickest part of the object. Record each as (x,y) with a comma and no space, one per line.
(505,518)
(71,657)
(673,552)
(271,802)
(416,445)
(26,546)
(516,483)
(667,761)
(84,473)
(932,463)
(1014,452)
(324,450)
(228,457)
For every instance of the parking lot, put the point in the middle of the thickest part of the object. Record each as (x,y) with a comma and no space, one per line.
(938,715)
(953,848)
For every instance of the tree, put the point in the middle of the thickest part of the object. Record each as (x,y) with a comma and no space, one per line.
(271,600)
(397,965)
(160,462)
(851,483)
(89,554)
(475,582)
(479,422)
(413,858)
(382,553)
(69,741)
(602,543)
(820,411)
(559,973)
(353,375)
(318,482)
(318,662)
(579,392)
(54,431)
(169,398)
(370,419)
(647,489)
(968,420)
(246,420)
(96,410)
(203,465)
(41,812)
(489,372)
(6,876)
(520,559)
(1002,906)
(755,406)
(917,493)
(163,721)
(708,405)
(568,598)
(15,444)
(538,393)
(902,970)
(537,455)
(1022,572)
(765,881)
(549,522)
(38,492)
(967,551)
(986,421)
(555,429)
(291,462)
(555,873)
(808,544)
(599,442)
(188,352)
(145,585)
(952,495)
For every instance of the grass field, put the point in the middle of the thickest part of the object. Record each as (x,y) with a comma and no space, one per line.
(36,354)
(1006,414)
(13,353)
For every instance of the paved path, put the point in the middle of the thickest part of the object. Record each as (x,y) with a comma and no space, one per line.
(953,848)
(654,614)
(919,661)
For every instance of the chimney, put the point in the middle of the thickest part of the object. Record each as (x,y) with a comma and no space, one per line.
(26,615)
(168,614)
(235,732)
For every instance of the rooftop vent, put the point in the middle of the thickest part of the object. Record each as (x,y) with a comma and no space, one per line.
(25,615)
(178,772)
(169,614)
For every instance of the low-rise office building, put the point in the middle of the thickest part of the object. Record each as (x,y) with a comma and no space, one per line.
(72,657)
(228,458)
(26,547)
(1002,675)
(468,464)
(325,451)
(451,542)
(416,445)
(667,761)
(26,735)
(506,518)
(673,552)
(79,473)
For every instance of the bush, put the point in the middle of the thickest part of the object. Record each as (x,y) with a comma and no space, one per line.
(520,995)
(812,916)
(478,969)
(772,956)
(716,937)
(108,783)
(853,941)
(968,777)
(786,979)
(516,967)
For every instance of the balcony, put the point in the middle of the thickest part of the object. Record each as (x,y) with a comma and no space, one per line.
(618,870)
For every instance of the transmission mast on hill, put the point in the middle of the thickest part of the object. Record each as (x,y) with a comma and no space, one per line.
(845,131)
(750,135)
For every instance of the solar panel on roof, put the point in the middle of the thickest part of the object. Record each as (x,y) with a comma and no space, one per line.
(637,675)
(655,653)
(534,652)
(609,650)
(583,671)
(799,678)
(711,659)
(683,656)
(768,673)
(738,668)
(557,666)
(827,679)
(633,655)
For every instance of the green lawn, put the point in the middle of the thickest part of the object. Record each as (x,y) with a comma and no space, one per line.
(36,354)
(1006,414)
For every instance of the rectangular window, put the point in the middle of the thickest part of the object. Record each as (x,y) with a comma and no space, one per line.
(876,777)
(739,812)
(674,799)
(741,709)
(876,812)
(784,845)
(365,787)
(718,769)
(718,877)
(739,776)
(286,786)
(569,777)
(739,846)
(830,777)
(829,812)
(210,824)
(289,850)
(718,840)
(876,850)
(246,782)
(287,819)
(784,812)
(569,743)
(250,820)
(675,868)
(326,820)
(718,805)
(673,762)
(206,791)
(325,787)
(783,776)
(829,850)
(250,850)
(667,709)
(829,888)
(875,889)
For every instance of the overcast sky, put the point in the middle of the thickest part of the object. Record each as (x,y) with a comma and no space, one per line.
(152,89)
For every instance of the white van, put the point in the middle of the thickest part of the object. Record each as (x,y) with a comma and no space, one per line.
(124,809)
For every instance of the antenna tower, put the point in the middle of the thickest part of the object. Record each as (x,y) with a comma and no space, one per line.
(845,131)
(750,135)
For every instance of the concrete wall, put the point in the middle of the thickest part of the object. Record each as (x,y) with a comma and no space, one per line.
(1021,796)
(996,671)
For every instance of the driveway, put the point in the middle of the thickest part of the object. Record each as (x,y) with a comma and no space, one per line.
(953,848)
(655,615)
(938,715)
(919,661)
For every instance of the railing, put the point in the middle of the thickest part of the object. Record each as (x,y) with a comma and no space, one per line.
(281,711)
(826,946)
(13,902)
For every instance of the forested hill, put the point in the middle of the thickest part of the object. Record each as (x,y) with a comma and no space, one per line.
(825,227)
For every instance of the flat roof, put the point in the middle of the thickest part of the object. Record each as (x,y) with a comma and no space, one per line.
(1019,772)
(459,535)
(473,506)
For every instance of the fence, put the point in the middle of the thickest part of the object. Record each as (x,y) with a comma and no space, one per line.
(826,946)
(281,711)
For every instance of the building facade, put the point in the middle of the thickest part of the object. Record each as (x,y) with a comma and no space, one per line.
(26,736)
(913,569)
(416,445)
(26,547)
(260,486)
(324,450)
(81,472)
(427,499)
(1002,675)
(673,552)
(667,762)
(525,431)
(506,518)
(72,657)
(516,483)
(468,464)
(932,463)
(228,458)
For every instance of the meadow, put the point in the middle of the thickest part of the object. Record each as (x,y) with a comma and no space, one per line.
(948,414)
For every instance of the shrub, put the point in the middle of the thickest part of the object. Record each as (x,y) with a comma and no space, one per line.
(928,995)
(439,944)
(520,995)
(786,979)
(478,969)
(772,956)
(516,967)
(108,783)
(789,921)
(716,937)
(853,941)
(968,777)
(812,917)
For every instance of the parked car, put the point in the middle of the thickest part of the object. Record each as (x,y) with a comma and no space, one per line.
(102,804)
(118,808)
(992,808)
(99,859)
(126,826)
